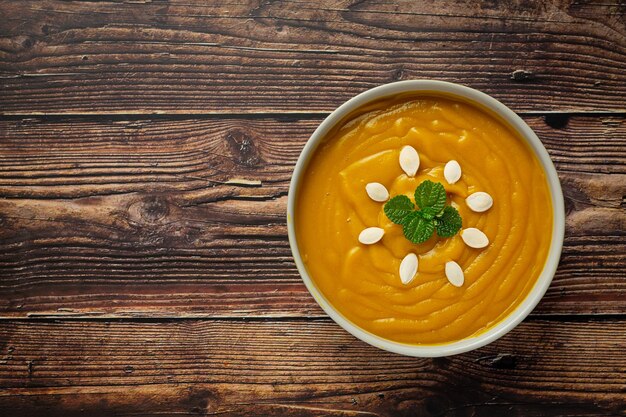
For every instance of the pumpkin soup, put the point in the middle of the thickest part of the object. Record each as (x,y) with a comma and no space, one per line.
(475,258)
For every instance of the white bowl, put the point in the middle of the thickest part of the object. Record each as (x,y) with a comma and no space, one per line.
(544,280)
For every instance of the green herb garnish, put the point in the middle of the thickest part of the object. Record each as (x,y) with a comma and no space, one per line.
(431,214)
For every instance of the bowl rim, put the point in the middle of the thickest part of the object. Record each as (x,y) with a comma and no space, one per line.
(524,131)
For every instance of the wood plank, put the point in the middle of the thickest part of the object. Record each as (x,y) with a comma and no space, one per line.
(127,218)
(177,217)
(304,368)
(255,56)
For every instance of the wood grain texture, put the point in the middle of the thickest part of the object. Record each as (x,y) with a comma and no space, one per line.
(276,57)
(303,368)
(185,217)
(146,149)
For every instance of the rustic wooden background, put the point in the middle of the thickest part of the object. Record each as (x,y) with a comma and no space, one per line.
(146,149)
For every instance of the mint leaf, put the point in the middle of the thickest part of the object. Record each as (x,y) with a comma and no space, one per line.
(426,214)
(417,229)
(430,197)
(449,222)
(398,208)
(432,214)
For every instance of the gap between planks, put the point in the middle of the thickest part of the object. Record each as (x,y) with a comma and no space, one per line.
(288,115)
(98,317)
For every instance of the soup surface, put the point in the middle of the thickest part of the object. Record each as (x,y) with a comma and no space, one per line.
(361,281)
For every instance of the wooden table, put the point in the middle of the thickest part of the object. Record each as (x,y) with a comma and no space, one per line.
(146,149)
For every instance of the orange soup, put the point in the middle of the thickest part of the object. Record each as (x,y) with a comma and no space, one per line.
(361,281)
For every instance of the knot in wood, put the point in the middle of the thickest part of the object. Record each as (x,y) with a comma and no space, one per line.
(398,74)
(27,43)
(522,75)
(243,148)
(149,209)
(557,120)
(155,208)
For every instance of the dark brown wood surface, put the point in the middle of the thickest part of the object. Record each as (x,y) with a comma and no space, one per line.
(166,214)
(297,56)
(146,149)
(304,368)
